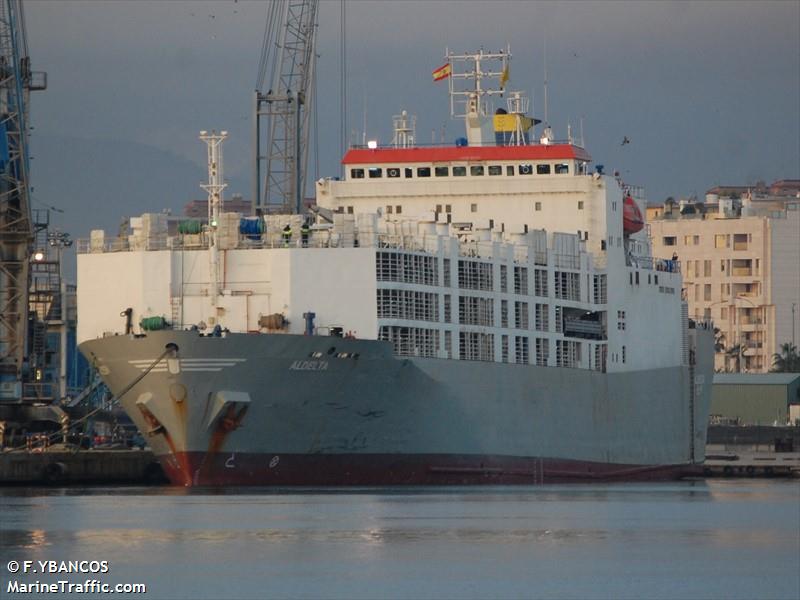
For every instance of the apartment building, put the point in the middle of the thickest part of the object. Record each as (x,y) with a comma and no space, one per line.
(740,258)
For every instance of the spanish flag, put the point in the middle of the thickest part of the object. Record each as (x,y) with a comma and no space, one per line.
(442,72)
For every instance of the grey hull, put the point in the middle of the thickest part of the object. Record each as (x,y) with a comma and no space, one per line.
(287,409)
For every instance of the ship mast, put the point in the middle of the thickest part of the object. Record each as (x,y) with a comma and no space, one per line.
(214,188)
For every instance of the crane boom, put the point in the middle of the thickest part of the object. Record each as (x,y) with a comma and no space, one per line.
(279,169)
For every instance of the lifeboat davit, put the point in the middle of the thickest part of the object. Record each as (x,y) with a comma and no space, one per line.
(632,220)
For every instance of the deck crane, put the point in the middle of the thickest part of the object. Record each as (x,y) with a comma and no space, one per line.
(280,140)
(16,226)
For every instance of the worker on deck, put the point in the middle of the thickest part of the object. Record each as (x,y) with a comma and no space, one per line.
(304,231)
(287,235)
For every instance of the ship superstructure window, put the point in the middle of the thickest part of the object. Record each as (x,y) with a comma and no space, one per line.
(521,280)
(441,171)
(475,275)
(509,170)
(411,341)
(473,208)
(670,240)
(459,171)
(393,172)
(580,204)
(542,351)
(476,170)
(403,267)
(375,172)
(473,310)
(568,353)
(423,171)
(521,315)
(389,209)
(543,169)
(542,317)
(495,170)
(525,169)
(600,291)
(561,168)
(568,285)
(408,304)
(357,173)
(398,209)
(521,347)
(540,283)
(537,206)
(409,172)
(600,354)
(476,346)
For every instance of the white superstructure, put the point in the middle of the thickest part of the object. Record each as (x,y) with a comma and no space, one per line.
(512,252)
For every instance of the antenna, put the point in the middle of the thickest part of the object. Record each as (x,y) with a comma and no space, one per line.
(546,122)
(583,145)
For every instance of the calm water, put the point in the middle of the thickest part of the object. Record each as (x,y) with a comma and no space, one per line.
(720,539)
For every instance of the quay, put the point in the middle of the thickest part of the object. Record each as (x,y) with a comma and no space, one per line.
(64,465)
(752,451)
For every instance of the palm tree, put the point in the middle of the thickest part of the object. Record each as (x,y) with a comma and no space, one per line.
(787,360)
(735,351)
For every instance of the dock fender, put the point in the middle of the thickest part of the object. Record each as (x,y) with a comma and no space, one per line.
(55,472)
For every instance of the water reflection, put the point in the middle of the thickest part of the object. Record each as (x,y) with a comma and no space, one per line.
(683,540)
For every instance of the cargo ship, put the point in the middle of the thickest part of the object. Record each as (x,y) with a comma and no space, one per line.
(487,312)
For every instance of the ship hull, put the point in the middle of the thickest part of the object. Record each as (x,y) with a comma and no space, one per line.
(310,410)
(243,469)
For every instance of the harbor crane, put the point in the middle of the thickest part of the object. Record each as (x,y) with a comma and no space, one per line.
(283,104)
(16,225)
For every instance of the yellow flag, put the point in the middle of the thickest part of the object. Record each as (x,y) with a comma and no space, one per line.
(504,78)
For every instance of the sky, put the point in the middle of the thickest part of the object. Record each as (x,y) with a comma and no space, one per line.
(707,92)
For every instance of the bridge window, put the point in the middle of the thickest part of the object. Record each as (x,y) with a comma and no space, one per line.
(459,171)
(375,172)
(357,173)
(476,170)
(543,169)
(409,172)
(525,169)
(442,171)
(423,171)
(495,170)
(562,168)
(393,172)
(509,170)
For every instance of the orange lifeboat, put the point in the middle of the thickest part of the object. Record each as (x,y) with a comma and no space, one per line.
(632,220)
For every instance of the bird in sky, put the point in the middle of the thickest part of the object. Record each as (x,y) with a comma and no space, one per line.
(625,140)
